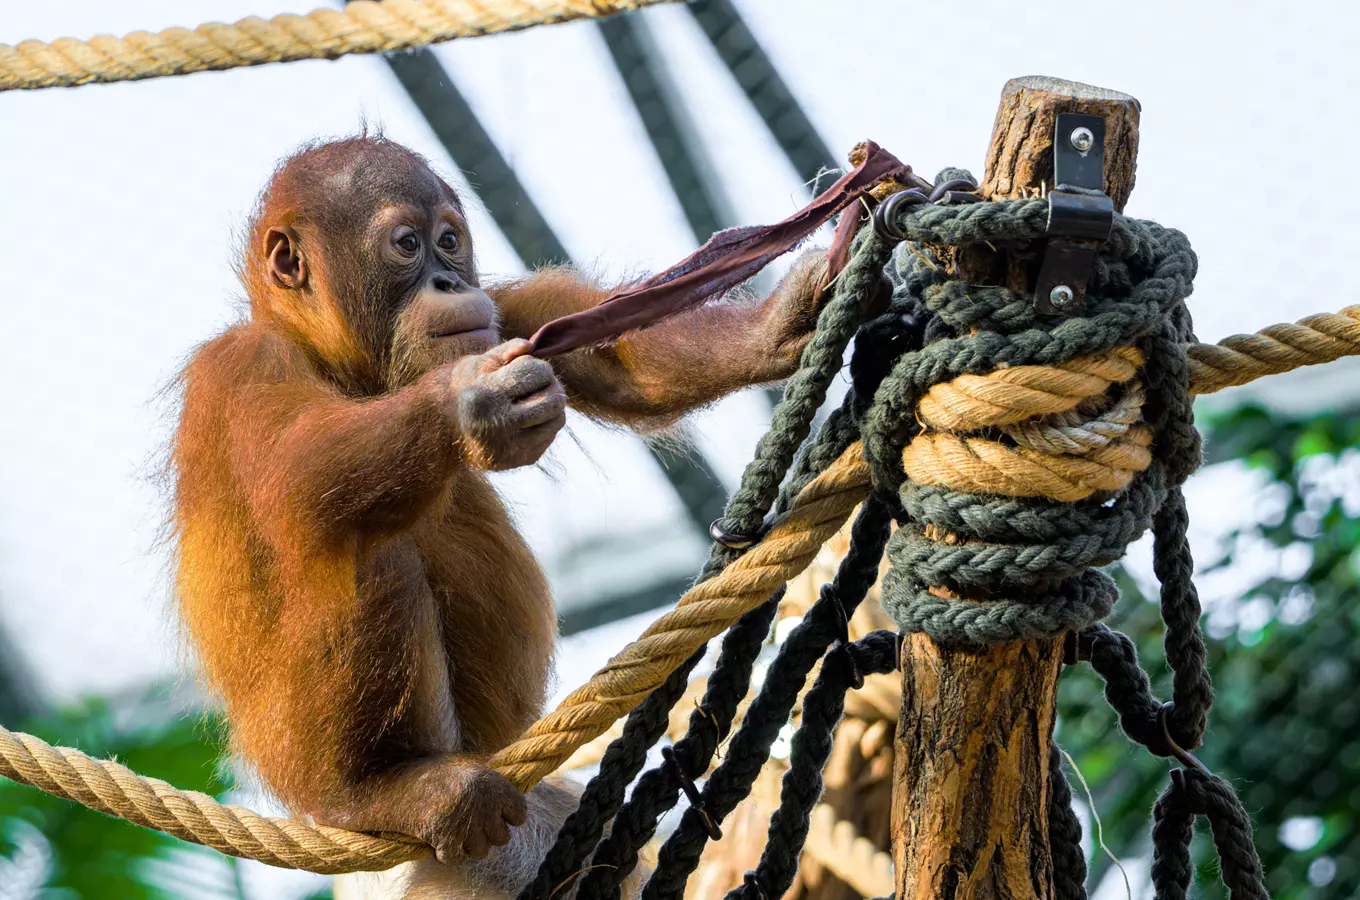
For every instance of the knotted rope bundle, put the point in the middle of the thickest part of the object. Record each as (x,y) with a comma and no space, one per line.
(1028,449)
(1005,411)
(1075,404)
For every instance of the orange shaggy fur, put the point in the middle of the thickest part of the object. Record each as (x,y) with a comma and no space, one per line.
(355,589)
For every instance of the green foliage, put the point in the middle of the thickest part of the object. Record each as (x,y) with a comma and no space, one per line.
(94,856)
(1286,726)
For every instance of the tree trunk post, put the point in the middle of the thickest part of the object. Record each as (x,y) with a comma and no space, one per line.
(971,791)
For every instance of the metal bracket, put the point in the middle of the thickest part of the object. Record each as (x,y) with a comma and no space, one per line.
(1080,216)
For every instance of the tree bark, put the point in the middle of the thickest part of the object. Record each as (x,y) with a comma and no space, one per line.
(970,802)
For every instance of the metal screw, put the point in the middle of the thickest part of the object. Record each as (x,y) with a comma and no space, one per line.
(1061,296)
(1082,139)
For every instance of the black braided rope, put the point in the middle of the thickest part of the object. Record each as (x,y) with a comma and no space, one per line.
(658,789)
(1193,793)
(623,759)
(935,330)
(857,286)
(1064,834)
(824,624)
(844,667)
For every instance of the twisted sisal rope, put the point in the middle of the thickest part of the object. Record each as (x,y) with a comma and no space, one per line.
(361,27)
(707,610)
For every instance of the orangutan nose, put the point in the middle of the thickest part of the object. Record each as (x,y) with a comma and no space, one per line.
(445,283)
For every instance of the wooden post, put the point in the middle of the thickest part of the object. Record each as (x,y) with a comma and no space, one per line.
(970,801)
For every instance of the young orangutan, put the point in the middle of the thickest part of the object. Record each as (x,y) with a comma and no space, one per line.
(356,591)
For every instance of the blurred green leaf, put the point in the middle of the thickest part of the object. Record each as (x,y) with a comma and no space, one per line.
(92,855)
(1286,726)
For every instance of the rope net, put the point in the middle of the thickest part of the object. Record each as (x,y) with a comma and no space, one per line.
(363,26)
(1015,451)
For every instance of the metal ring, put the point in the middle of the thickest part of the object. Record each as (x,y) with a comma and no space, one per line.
(1183,756)
(957,198)
(885,214)
(738,540)
(955,184)
(732,540)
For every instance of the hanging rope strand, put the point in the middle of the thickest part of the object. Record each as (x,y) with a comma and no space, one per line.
(749,748)
(659,789)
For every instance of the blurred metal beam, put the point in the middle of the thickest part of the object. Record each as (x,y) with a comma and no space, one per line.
(668,126)
(438,99)
(611,608)
(433,92)
(764,87)
(659,104)
(18,697)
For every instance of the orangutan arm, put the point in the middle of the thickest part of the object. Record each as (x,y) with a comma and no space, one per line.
(320,466)
(654,376)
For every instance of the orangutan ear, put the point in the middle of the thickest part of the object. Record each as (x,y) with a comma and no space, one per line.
(287,267)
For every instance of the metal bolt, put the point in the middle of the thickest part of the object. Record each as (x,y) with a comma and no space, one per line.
(1061,296)
(1082,139)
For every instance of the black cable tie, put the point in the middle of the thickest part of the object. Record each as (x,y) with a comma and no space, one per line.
(843,641)
(856,673)
(833,597)
(696,800)
(1183,756)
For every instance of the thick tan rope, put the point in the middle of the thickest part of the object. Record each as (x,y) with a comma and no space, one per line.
(985,466)
(1280,348)
(110,788)
(361,27)
(704,612)
(851,857)
(1064,447)
(1008,396)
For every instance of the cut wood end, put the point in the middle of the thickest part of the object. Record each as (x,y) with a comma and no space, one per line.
(1020,156)
(1062,86)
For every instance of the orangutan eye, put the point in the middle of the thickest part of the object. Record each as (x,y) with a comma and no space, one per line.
(448,242)
(408,243)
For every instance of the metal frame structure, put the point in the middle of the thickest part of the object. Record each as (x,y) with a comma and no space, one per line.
(661,108)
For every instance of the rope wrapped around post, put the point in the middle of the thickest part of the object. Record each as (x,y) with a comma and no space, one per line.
(108,787)
(1015,410)
(1028,449)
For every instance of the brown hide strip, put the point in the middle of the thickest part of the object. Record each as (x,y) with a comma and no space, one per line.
(725,261)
